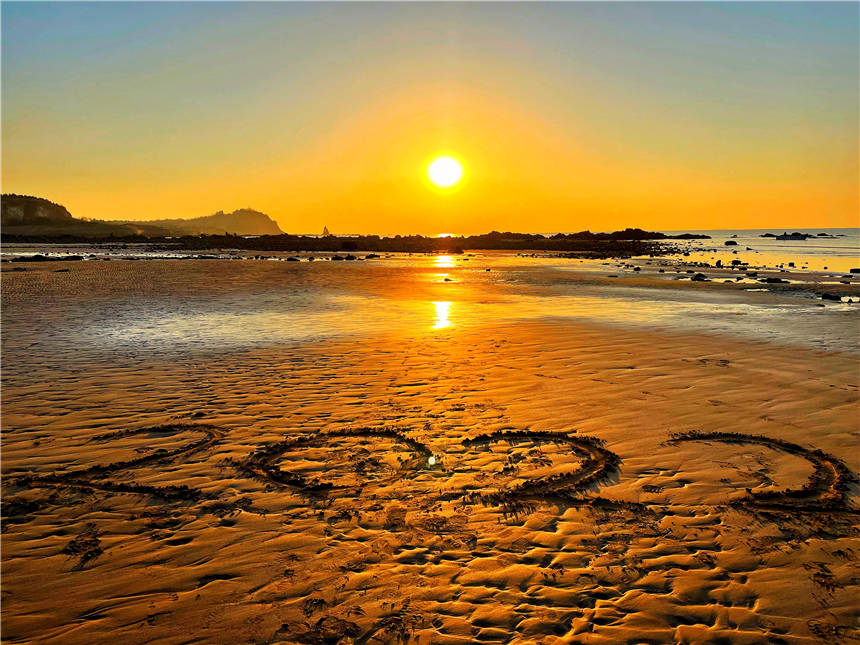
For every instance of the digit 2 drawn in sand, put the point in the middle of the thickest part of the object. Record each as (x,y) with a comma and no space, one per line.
(598,464)
(91,478)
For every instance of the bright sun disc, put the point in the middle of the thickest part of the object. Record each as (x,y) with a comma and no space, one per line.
(445,171)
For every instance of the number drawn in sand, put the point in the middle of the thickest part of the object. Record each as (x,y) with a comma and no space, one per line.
(93,478)
(597,465)
(826,490)
(346,457)
(352,458)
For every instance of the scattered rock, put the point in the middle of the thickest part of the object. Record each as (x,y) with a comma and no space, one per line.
(60,258)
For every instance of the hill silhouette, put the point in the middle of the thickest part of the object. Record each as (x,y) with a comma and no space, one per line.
(29,216)
(245,221)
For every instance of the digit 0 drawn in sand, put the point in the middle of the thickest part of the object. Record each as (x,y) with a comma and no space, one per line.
(345,456)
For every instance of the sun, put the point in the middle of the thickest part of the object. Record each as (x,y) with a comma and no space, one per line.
(445,172)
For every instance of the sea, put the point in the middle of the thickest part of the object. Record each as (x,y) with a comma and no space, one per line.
(837,250)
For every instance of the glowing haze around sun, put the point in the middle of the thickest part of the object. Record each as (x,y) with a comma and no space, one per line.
(445,172)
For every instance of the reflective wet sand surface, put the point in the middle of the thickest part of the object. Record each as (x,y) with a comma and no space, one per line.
(251,451)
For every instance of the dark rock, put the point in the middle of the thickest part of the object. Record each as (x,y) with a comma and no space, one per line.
(38,257)
(730,243)
(699,277)
(831,296)
(292,259)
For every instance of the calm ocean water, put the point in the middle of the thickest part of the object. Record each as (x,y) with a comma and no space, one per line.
(838,251)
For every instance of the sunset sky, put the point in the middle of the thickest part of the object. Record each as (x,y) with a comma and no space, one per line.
(564,116)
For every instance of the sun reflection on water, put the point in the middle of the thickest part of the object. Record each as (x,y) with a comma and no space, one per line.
(443,261)
(440,321)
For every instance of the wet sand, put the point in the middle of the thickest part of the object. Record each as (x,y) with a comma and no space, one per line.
(370,453)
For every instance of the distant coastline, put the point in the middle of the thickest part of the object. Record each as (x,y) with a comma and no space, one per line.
(585,244)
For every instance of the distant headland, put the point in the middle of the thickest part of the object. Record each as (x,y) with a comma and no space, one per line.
(28,216)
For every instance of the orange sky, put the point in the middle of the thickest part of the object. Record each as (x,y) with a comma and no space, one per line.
(565,117)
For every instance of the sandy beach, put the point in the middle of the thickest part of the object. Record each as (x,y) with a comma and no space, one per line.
(473,449)
(430,323)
